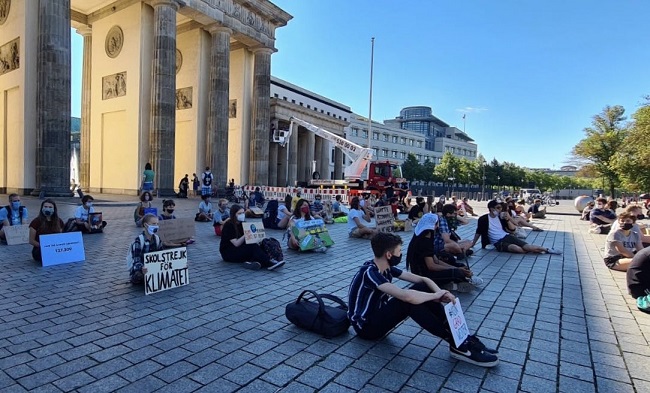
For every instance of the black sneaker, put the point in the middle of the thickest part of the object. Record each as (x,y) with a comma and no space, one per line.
(252,265)
(470,353)
(479,344)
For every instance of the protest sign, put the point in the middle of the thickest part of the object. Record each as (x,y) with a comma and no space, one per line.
(17,234)
(257,212)
(176,230)
(457,324)
(151,210)
(166,269)
(311,234)
(95,220)
(60,248)
(253,232)
(384,218)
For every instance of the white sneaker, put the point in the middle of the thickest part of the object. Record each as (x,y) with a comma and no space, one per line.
(275,265)
(553,251)
(476,281)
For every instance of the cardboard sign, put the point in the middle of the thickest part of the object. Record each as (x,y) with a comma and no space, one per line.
(166,269)
(95,220)
(151,210)
(17,234)
(176,230)
(384,218)
(457,324)
(253,232)
(60,248)
(257,211)
(311,234)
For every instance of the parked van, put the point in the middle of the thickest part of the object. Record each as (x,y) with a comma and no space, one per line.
(530,193)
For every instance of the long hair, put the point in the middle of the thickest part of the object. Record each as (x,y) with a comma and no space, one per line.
(296,210)
(232,220)
(54,224)
(147,166)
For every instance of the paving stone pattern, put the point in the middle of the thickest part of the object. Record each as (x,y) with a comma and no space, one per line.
(562,323)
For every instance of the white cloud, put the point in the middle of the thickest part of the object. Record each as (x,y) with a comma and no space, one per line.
(471,109)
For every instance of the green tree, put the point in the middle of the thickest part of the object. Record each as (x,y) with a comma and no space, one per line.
(603,139)
(428,171)
(411,168)
(633,158)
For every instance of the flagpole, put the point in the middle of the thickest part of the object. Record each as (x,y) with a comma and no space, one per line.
(372,57)
(464,114)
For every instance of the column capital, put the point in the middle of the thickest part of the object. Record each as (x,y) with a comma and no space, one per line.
(85,31)
(217,28)
(263,50)
(171,3)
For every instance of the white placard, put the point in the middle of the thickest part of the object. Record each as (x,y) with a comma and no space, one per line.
(60,248)
(457,324)
(253,232)
(384,218)
(166,269)
(16,234)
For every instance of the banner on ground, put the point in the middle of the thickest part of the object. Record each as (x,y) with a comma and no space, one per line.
(176,230)
(384,218)
(253,232)
(166,269)
(311,234)
(457,322)
(17,234)
(60,248)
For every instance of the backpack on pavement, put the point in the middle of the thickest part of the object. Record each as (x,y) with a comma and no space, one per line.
(271,215)
(318,317)
(272,248)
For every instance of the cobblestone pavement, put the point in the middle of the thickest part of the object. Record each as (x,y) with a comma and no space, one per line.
(562,323)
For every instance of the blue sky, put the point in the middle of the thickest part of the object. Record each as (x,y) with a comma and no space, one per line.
(529,74)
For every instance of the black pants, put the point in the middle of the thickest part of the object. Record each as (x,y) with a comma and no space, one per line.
(430,316)
(446,276)
(36,254)
(247,252)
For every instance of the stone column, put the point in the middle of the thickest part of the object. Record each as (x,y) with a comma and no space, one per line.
(52,177)
(163,96)
(259,145)
(318,146)
(310,142)
(325,152)
(217,135)
(293,157)
(86,73)
(338,164)
(274,148)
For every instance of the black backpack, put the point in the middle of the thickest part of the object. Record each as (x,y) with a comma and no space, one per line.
(271,215)
(207,179)
(20,214)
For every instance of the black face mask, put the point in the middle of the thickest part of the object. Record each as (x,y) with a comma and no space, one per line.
(395,260)
(170,211)
(627,226)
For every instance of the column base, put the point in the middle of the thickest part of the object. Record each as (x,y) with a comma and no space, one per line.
(161,192)
(55,192)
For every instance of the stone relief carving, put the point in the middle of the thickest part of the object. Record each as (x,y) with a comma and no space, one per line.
(4,10)
(179,60)
(232,109)
(10,56)
(184,98)
(114,42)
(114,85)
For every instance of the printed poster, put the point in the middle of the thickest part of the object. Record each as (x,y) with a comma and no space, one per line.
(60,248)
(253,232)
(312,234)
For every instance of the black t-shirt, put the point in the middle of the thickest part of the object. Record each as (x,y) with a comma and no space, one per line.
(415,213)
(419,248)
(228,232)
(638,273)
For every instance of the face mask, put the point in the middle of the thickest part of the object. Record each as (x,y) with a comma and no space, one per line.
(627,226)
(47,211)
(146,198)
(15,205)
(152,229)
(304,209)
(241,217)
(170,211)
(89,204)
(395,260)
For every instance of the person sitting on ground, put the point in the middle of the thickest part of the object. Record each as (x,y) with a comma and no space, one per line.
(337,210)
(82,217)
(355,227)
(537,210)
(300,214)
(446,239)
(220,216)
(622,243)
(587,210)
(376,305)
(12,214)
(517,219)
(168,214)
(440,204)
(46,223)
(465,206)
(256,199)
(418,210)
(317,207)
(366,202)
(284,216)
(145,243)
(394,207)
(490,229)
(233,246)
(636,211)
(522,211)
(205,213)
(145,203)
(638,279)
(602,217)
(422,258)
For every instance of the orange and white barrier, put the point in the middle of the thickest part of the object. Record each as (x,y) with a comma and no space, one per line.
(279,193)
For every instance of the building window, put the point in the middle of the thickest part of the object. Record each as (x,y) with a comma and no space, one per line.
(393,154)
(394,139)
(384,152)
(419,143)
(333,155)
(410,142)
(402,155)
(419,157)
(385,137)
(375,136)
(355,132)
(364,134)
(375,152)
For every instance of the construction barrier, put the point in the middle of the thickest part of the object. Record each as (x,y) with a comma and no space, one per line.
(279,193)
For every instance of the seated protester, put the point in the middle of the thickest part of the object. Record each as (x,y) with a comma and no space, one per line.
(638,279)
(537,210)
(636,211)
(82,216)
(284,216)
(421,259)
(517,219)
(145,203)
(168,214)
(394,208)
(355,227)
(522,211)
(622,243)
(336,207)
(205,210)
(145,243)
(601,217)
(46,223)
(300,213)
(417,211)
(317,207)
(233,247)
(490,229)
(376,305)
(446,239)
(256,199)
(587,210)
(440,204)
(12,214)
(466,207)
(220,216)
(366,202)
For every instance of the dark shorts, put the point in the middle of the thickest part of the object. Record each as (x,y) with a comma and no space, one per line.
(502,245)
(610,262)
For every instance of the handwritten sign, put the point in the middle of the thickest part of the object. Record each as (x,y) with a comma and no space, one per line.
(17,234)
(457,324)
(253,232)
(384,218)
(60,248)
(176,230)
(166,269)
(311,234)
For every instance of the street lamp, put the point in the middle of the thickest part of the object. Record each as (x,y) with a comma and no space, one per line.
(483,185)
(498,184)
(452,180)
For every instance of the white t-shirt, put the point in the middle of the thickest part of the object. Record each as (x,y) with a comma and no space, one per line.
(351,215)
(495,230)
(205,207)
(282,212)
(629,242)
(82,214)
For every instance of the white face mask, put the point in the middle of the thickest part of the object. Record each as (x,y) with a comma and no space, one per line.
(89,204)
(241,217)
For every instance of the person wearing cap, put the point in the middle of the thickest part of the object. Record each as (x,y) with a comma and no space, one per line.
(421,259)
